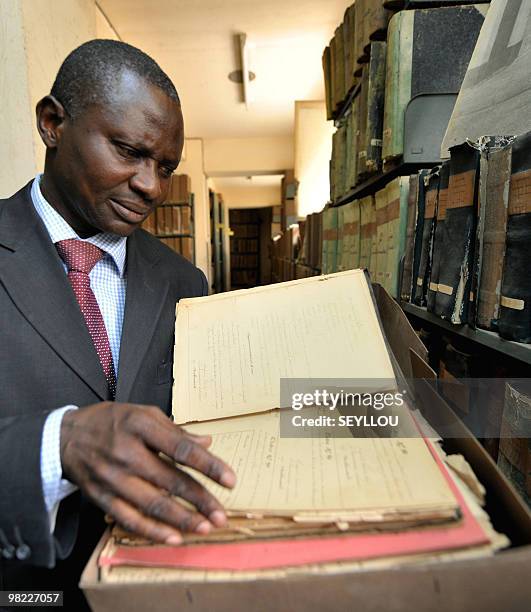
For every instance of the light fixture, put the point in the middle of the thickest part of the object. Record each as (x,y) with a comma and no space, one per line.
(244,75)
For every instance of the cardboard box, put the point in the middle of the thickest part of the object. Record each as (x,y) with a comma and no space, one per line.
(501,582)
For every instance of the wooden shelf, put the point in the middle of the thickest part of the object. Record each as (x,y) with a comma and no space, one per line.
(182,204)
(378,181)
(516,350)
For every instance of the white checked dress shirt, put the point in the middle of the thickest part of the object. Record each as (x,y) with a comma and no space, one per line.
(108,282)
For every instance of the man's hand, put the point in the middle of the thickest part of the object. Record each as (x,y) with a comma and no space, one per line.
(110,450)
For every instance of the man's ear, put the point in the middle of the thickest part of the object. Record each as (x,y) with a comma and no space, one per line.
(51,117)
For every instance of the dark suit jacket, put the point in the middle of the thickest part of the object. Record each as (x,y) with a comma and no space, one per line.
(48,360)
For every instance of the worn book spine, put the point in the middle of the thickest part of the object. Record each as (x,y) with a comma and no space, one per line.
(489,250)
(363,100)
(346,52)
(515,301)
(377,20)
(495,177)
(352,43)
(407,274)
(438,237)
(397,83)
(352,151)
(430,212)
(381,236)
(419,228)
(514,458)
(333,74)
(340,57)
(327,84)
(329,257)
(397,202)
(346,256)
(366,215)
(453,286)
(355,233)
(340,246)
(360,12)
(375,107)
(347,154)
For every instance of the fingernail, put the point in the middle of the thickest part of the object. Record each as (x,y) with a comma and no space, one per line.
(218,518)
(174,540)
(203,527)
(228,479)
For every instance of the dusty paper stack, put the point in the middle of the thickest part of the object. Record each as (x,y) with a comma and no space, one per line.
(320,503)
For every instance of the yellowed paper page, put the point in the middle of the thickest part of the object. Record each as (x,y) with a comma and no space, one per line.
(232,349)
(352,478)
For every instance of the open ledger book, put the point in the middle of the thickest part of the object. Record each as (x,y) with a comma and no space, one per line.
(314,504)
(231,350)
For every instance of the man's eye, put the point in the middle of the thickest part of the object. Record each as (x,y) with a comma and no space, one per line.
(166,172)
(128,152)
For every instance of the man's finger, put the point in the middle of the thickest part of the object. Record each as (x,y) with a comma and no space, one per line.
(150,500)
(167,476)
(185,450)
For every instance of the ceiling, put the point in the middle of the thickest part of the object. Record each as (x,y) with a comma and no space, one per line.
(193,41)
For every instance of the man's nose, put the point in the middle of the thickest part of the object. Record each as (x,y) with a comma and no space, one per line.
(146,179)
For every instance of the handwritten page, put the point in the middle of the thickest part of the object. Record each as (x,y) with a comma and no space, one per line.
(231,350)
(348,478)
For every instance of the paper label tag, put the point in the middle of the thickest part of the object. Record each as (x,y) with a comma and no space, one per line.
(434,286)
(513,303)
(446,289)
(419,281)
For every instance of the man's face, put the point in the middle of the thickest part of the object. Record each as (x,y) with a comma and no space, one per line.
(113,163)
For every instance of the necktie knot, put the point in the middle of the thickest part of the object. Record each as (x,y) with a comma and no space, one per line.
(79,256)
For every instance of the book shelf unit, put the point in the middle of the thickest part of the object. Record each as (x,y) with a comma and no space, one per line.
(244,248)
(178,215)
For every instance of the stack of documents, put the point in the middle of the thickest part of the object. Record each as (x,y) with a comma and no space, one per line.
(316,503)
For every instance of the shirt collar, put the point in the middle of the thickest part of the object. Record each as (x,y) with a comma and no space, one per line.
(113,245)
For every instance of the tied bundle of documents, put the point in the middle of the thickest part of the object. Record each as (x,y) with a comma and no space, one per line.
(307,501)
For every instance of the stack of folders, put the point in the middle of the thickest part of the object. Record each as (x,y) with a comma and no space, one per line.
(320,503)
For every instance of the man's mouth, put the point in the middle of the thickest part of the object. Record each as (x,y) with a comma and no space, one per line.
(129,212)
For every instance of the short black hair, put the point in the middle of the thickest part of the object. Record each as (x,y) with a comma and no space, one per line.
(90,72)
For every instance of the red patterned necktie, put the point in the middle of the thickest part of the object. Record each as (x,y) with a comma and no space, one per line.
(80,257)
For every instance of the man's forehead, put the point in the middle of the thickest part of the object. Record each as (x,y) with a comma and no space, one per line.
(134,94)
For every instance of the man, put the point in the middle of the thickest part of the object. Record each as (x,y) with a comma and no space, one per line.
(87,308)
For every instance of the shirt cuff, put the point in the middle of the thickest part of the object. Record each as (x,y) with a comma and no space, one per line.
(54,487)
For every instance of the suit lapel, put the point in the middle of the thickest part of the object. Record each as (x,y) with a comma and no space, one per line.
(32,274)
(145,299)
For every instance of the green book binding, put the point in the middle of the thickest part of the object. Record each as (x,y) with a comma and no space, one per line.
(366,215)
(428,53)
(340,68)
(327,84)
(373,236)
(363,99)
(329,257)
(340,257)
(352,150)
(382,238)
(397,205)
(375,108)
(398,82)
(407,275)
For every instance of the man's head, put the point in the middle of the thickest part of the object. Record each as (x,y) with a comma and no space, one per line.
(113,129)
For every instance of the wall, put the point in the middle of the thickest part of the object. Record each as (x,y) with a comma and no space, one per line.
(239,156)
(52,28)
(313,150)
(193,166)
(250,197)
(16,144)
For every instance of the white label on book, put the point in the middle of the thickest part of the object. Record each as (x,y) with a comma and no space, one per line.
(419,281)
(434,286)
